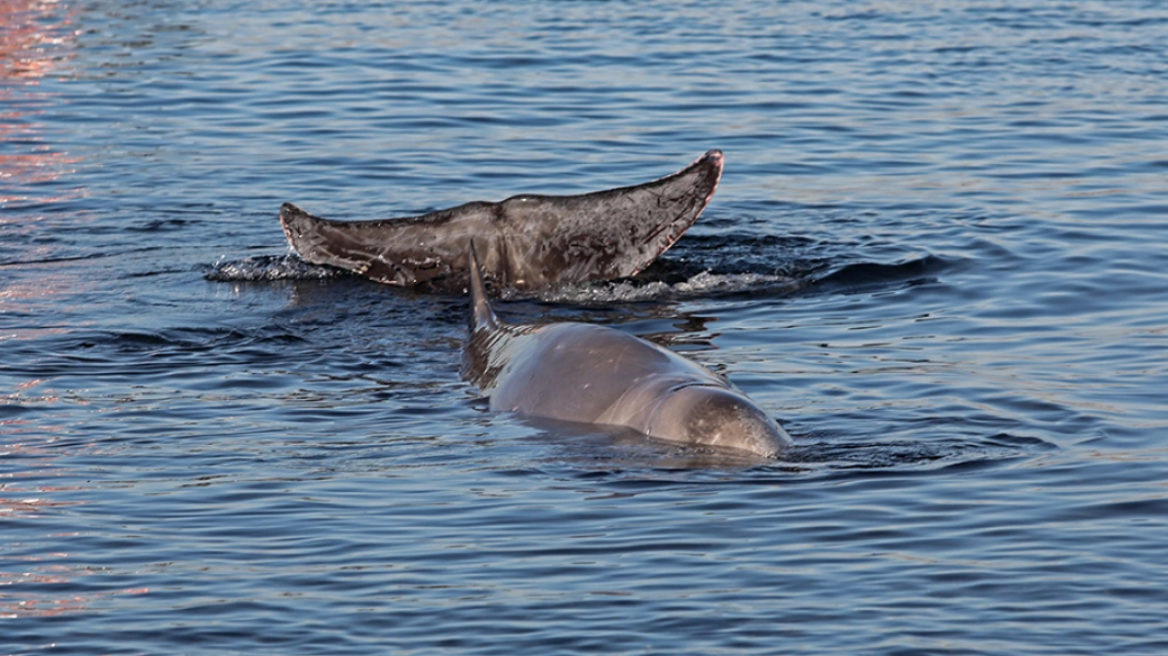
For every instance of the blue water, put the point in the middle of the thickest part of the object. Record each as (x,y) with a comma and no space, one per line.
(937,256)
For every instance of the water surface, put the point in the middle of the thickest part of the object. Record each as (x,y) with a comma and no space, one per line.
(937,257)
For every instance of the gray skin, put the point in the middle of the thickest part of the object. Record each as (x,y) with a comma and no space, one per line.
(595,374)
(526,242)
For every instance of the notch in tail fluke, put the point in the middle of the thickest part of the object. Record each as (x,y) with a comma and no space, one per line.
(481,317)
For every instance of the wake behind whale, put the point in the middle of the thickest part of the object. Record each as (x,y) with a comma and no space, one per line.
(685,278)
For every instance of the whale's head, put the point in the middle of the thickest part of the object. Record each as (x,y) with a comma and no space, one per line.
(716,416)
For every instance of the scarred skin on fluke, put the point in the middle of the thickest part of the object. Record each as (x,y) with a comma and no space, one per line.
(595,374)
(525,242)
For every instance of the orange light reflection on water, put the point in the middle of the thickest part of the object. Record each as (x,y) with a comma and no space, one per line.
(36,36)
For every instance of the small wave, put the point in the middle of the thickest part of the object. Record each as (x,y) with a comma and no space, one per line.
(968,452)
(863,275)
(269,267)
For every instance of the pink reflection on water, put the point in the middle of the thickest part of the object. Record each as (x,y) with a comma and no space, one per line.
(31,35)
(36,36)
(39,571)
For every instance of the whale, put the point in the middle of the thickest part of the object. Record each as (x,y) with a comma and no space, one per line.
(587,373)
(526,242)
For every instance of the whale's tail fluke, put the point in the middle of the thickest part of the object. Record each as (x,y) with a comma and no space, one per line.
(528,241)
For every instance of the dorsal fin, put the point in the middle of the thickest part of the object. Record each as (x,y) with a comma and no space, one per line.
(481,317)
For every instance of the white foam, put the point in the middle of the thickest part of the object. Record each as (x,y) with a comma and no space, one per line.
(702,283)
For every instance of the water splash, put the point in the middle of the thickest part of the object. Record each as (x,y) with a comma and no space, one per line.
(263,268)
